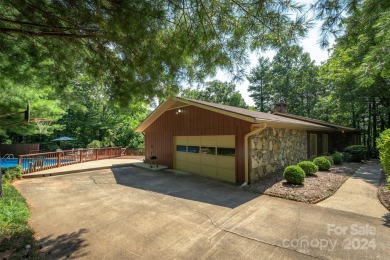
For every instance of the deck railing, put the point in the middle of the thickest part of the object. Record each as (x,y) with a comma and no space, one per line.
(43,161)
(134,151)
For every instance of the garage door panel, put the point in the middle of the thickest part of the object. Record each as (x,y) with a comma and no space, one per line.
(181,156)
(181,165)
(226,162)
(181,140)
(193,140)
(226,174)
(208,141)
(194,167)
(204,161)
(226,141)
(210,171)
(208,159)
(194,157)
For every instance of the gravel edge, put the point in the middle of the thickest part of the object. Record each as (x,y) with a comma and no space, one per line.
(384,192)
(269,191)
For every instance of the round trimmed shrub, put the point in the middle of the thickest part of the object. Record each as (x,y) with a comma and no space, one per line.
(322,163)
(309,167)
(337,158)
(294,174)
(357,152)
(330,159)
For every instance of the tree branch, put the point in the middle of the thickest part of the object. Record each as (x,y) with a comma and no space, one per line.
(46,34)
(43,26)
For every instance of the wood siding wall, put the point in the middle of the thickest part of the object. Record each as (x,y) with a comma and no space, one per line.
(194,121)
(18,149)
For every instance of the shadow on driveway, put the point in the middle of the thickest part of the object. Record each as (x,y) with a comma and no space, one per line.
(185,186)
(63,246)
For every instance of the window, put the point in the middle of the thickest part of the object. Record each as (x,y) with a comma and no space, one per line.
(208,150)
(181,148)
(226,151)
(313,145)
(193,149)
(324,143)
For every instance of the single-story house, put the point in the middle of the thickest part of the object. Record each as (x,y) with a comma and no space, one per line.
(235,144)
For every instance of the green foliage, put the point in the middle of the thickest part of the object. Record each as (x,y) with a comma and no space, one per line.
(357,152)
(260,87)
(49,146)
(308,166)
(383,145)
(357,74)
(139,49)
(322,163)
(15,233)
(337,158)
(291,76)
(217,92)
(94,144)
(12,173)
(330,159)
(294,174)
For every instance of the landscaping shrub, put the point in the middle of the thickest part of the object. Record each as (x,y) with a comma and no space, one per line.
(309,167)
(294,174)
(9,174)
(337,158)
(347,157)
(357,152)
(94,144)
(383,145)
(330,159)
(322,163)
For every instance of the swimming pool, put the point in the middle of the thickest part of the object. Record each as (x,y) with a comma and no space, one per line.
(12,162)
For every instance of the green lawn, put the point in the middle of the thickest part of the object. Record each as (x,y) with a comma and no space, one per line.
(15,233)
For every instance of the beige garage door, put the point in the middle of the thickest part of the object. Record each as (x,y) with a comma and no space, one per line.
(211,156)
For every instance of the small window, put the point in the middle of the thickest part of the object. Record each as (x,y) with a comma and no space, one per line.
(181,148)
(208,150)
(193,149)
(226,151)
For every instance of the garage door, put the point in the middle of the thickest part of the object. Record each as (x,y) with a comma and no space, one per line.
(211,156)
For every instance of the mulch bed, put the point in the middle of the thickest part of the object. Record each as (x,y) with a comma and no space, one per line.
(316,187)
(384,192)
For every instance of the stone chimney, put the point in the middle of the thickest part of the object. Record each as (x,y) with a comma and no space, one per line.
(281,107)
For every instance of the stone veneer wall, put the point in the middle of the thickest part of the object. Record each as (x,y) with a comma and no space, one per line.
(274,149)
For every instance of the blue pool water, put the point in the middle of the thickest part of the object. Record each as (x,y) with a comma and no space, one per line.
(12,162)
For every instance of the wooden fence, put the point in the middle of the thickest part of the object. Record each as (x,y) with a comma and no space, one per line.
(134,151)
(18,149)
(43,161)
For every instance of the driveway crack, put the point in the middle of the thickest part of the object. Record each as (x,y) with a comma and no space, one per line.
(93,179)
(239,235)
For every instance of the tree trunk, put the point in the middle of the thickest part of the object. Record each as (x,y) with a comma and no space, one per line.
(369,126)
(374,122)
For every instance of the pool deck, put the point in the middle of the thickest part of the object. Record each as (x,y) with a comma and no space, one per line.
(123,161)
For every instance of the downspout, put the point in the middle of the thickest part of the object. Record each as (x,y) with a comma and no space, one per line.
(260,128)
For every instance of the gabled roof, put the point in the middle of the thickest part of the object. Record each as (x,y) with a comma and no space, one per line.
(254,117)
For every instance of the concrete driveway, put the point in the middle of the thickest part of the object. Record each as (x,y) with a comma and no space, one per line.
(128,213)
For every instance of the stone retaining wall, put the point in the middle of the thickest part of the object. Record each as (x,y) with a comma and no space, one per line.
(274,149)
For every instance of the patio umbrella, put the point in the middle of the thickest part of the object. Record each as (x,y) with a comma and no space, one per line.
(64,138)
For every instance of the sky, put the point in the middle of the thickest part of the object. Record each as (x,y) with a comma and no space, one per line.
(309,44)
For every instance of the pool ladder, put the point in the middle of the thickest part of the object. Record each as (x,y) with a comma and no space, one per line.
(7,156)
